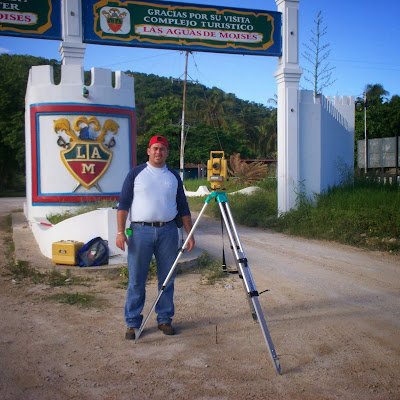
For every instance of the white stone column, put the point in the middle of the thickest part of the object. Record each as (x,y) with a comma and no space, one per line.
(72,49)
(288,77)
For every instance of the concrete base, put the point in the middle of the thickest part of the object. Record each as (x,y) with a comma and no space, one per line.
(84,227)
(28,249)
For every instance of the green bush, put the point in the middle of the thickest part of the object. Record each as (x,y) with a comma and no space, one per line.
(252,210)
(365,214)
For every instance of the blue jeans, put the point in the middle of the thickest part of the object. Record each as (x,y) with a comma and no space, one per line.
(144,242)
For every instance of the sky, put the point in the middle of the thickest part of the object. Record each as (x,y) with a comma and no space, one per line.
(363,37)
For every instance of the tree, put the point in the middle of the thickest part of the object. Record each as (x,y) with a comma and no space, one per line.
(375,93)
(267,138)
(14,76)
(218,120)
(383,114)
(316,54)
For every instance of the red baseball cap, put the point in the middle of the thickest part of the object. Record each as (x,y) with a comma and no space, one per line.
(158,139)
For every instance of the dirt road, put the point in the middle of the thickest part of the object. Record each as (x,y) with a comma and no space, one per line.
(333,312)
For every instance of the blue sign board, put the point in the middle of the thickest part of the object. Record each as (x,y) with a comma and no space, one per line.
(39,19)
(182,26)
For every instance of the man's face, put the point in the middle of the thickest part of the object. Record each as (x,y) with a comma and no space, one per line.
(158,154)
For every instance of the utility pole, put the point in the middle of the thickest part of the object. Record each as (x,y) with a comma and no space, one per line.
(182,150)
(365,134)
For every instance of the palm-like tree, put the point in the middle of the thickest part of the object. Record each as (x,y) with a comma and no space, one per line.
(375,93)
(267,132)
(215,113)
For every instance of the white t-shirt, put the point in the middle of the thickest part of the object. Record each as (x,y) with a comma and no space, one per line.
(154,196)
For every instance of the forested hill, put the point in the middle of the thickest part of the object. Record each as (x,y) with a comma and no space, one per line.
(14,76)
(214,120)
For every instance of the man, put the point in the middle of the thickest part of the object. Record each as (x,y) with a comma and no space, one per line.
(155,197)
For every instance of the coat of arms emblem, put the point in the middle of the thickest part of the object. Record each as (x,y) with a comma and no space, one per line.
(114,18)
(86,155)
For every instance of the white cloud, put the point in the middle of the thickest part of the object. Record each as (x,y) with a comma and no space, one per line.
(3,50)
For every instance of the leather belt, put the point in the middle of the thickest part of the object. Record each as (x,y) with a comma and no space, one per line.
(154,224)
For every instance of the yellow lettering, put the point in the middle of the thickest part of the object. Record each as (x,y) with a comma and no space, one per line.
(88,168)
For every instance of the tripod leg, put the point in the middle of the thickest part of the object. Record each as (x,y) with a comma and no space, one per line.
(171,271)
(250,286)
(238,255)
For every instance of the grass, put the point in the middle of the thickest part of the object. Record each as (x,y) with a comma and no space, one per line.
(22,270)
(58,217)
(85,300)
(231,185)
(210,269)
(256,210)
(6,226)
(124,274)
(364,213)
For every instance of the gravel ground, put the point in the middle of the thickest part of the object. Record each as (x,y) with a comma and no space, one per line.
(332,311)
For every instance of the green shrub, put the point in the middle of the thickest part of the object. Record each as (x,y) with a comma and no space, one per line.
(365,214)
(361,213)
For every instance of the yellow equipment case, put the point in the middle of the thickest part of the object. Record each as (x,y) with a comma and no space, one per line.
(64,252)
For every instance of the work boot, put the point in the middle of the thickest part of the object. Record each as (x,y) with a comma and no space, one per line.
(130,334)
(166,329)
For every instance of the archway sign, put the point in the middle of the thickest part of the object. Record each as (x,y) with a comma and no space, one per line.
(180,26)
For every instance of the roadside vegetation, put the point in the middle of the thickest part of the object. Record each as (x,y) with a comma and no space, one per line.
(21,272)
(58,217)
(83,300)
(365,214)
(362,213)
(210,269)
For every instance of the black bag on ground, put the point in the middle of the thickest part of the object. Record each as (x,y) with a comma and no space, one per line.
(93,253)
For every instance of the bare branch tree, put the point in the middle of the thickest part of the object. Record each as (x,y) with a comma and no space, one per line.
(316,54)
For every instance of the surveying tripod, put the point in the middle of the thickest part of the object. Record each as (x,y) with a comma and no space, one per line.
(243,267)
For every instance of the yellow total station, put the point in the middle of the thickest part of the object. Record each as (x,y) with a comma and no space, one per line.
(217,170)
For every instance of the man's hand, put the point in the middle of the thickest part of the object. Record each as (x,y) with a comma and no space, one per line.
(187,224)
(121,240)
(121,222)
(190,244)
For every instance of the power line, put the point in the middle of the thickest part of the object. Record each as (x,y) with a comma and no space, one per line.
(369,65)
(140,59)
(366,62)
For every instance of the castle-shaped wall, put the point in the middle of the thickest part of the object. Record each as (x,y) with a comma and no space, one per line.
(326,141)
(80,140)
